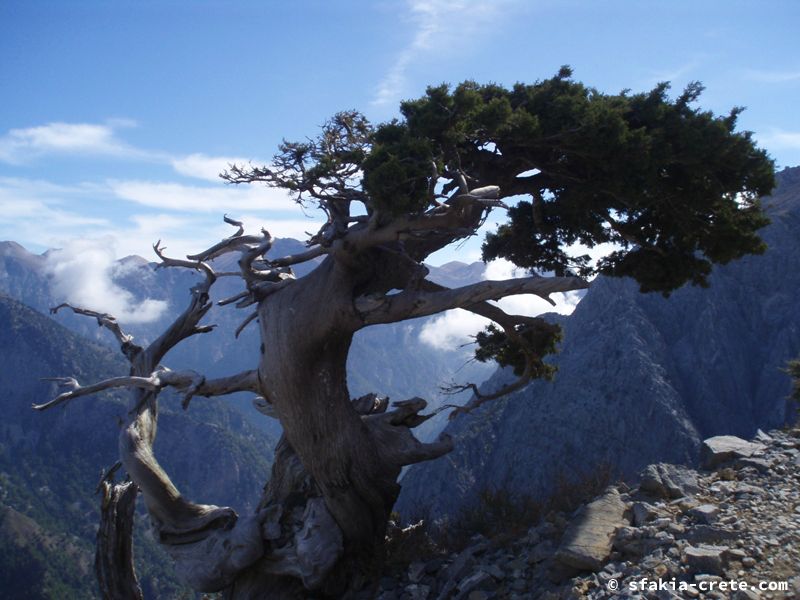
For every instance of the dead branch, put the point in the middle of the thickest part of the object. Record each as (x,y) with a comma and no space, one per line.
(109,322)
(479,398)
(190,383)
(75,390)
(383,308)
(294,259)
(250,318)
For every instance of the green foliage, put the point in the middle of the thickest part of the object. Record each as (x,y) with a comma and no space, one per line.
(397,170)
(672,187)
(523,350)
(675,188)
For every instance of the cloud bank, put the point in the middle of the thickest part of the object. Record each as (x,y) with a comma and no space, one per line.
(83,274)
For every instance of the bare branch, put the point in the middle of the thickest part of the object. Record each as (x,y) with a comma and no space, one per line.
(235,223)
(235,298)
(246,322)
(197,265)
(193,384)
(75,390)
(480,398)
(253,252)
(396,444)
(104,320)
(229,244)
(413,303)
(294,259)
(189,382)
(484,309)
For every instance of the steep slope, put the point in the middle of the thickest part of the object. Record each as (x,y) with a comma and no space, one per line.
(641,378)
(49,462)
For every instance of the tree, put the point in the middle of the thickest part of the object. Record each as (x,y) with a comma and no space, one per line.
(673,188)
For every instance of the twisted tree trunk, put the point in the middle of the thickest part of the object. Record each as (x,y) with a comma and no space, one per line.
(333,459)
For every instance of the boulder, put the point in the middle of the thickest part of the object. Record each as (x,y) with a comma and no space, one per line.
(705,513)
(668,481)
(705,559)
(723,448)
(586,544)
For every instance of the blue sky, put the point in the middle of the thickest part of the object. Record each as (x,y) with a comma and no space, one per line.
(117,115)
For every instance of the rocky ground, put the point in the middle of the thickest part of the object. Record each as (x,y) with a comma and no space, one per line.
(720,532)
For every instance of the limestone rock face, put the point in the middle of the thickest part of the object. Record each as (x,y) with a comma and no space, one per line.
(587,542)
(641,379)
(722,448)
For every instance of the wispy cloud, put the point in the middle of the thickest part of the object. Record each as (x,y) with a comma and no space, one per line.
(83,272)
(765,76)
(195,198)
(203,166)
(40,214)
(21,145)
(675,73)
(780,139)
(437,24)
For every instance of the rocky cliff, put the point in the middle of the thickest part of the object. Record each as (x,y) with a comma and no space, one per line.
(641,379)
(728,530)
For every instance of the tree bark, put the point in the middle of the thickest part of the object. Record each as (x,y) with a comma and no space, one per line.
(306,339)
(113,562)
(332,463)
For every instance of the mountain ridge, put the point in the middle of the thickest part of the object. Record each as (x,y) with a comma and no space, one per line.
(641,379)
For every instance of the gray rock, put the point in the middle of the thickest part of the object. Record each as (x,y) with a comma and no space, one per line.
(415,572)
(643,512)
(745,595)
(418,591)
(705,559)
(705,513)
(458,569)
(759,464)
(541,551)
(588,539)
(493,570)
(709,534)
(473,582)
(668,481)
(723,448)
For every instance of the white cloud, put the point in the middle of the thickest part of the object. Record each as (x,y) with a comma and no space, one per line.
(205,167)
(20,145)
(438,25)
(456,327)
(676,73)
(83,271)
(780,138)
(192,198)
(772,76)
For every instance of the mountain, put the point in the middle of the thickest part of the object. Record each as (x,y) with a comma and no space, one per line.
(390,360)
(50,462)
(641,379)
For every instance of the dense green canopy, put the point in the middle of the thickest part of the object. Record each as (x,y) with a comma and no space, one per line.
(673,189)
